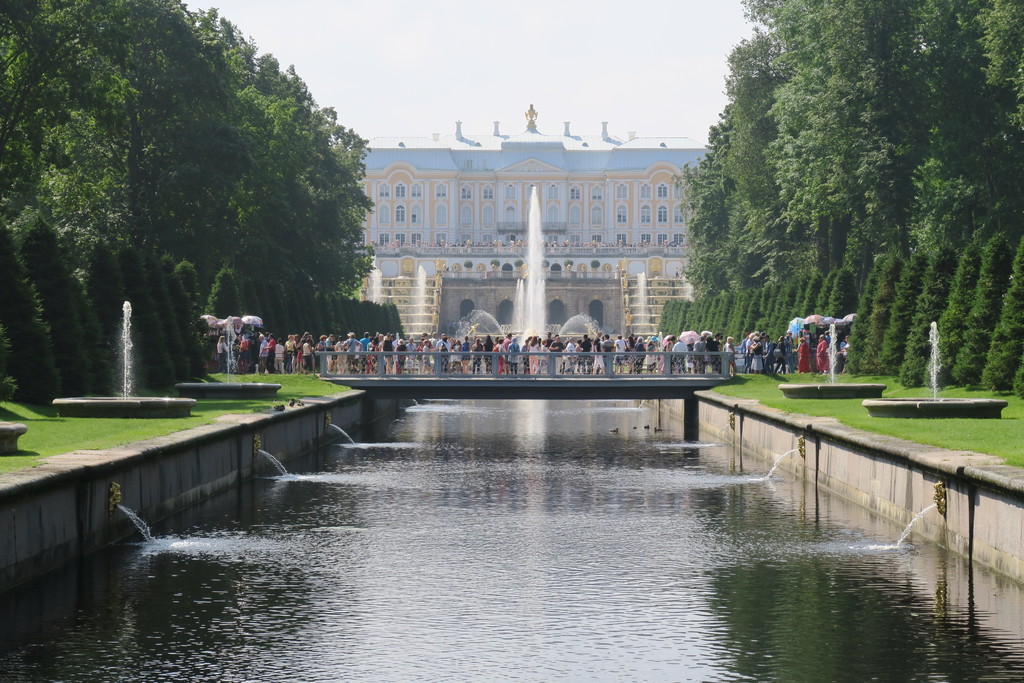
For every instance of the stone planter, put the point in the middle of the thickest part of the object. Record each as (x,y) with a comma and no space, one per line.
(837,390)
(978,408)
(9,433)
(133,406)
(232,390)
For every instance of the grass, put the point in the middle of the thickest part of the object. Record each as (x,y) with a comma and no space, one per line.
(49,434)
(1004,437)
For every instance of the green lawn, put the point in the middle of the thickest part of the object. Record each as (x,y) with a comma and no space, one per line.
(49,434)
(1004,437)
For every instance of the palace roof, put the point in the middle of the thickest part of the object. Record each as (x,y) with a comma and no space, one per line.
(570,153)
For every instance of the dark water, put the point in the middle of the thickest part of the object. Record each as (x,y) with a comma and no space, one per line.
(518,541)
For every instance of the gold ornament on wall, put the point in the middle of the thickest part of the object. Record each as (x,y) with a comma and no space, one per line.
(531,118)
(113,498)
(940,498)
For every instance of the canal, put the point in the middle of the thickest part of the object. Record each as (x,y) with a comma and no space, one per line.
(508,541)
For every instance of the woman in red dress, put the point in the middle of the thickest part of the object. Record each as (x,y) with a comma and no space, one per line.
(823,355)
(803,353)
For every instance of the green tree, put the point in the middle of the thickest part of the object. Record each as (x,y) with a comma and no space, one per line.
(47,268)
(954,333)
(930,306)
(901,314)
(148,329)
(1004,353)
(986,305)
(32,364)
(225,298)
(7,383)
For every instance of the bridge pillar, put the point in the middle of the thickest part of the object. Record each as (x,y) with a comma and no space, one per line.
(691,418)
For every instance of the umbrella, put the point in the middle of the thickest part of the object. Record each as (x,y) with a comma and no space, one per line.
(814,320)
(688,337)
(849,318)
(210,320)
(253,320)
(795,324)
(829,320)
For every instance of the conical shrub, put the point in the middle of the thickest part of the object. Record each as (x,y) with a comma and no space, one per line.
(1008,337)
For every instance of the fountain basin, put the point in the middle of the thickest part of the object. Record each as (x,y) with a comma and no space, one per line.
(837,390)
(9,433)
(240,390)
(116,407)
(977,408)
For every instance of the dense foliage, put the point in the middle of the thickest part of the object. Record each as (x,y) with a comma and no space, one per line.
(855,131)
(137,136)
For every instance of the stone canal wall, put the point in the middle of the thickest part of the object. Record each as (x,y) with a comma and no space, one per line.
(60,510)
(979,501)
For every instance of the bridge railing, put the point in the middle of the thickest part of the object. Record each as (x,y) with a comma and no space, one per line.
(459,365)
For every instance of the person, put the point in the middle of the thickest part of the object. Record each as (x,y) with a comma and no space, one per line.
(730,355)
(756,352)
(679,361)
(822,354)
(713,347)
(803,354)
(779,354)
(279,354)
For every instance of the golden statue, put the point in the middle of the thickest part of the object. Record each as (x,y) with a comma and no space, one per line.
(531,118)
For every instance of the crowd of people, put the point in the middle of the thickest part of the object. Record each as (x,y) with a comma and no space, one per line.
(757,353)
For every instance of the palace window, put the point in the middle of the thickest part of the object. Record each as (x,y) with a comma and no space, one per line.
(663,214)
(400,238)
(645,191)
(574,215)
(510,214)
(596,215)
(441,191)
(662,191)
(441,214)
(677,191)
(488,192)
(621,191)
(645,239)
(466,216)
(552,191)
(414,215)
(620,238)
(621,215)
(384,239)
(510,192)
(596,193)
(552,214)
(574,193)
(400,213)
(400,191)
(487,239)
(466,192)
(488,215)
(574,239)
(442,237)
(662,240)
(416,190)
(415,238)
(383,213)
(645,215)
(384,190)
(595,238)
(679,218)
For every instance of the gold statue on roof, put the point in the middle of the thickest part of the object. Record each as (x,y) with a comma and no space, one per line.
(531,118)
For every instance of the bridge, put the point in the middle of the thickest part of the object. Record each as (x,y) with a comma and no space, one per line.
(537,376)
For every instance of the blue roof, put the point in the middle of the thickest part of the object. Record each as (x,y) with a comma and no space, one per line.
(572,153)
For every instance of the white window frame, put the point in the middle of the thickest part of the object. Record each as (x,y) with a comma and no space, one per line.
(400,191)
(465,192)
(441,191)
(621,215)
(662,191)
(596,193)
(574,193)
(621,191)
(645,215)
(662,215)
(596,215)
(441,215)
(416,191)
(400,214)
(645,191)
(488,192)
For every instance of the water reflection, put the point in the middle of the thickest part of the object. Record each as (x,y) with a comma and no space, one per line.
(518,541)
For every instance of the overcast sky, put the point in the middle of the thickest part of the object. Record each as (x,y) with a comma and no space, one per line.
(412,68)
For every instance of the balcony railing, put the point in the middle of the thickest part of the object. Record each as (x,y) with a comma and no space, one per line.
(519,366)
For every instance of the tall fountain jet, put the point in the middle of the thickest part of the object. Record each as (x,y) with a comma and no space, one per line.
(374,287)
(127,371)
(421,312)
(519,308)
(535,314)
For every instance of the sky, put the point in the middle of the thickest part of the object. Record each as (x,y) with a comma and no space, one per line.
(412,68)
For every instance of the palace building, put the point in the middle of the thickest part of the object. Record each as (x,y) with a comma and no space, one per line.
(453,210)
